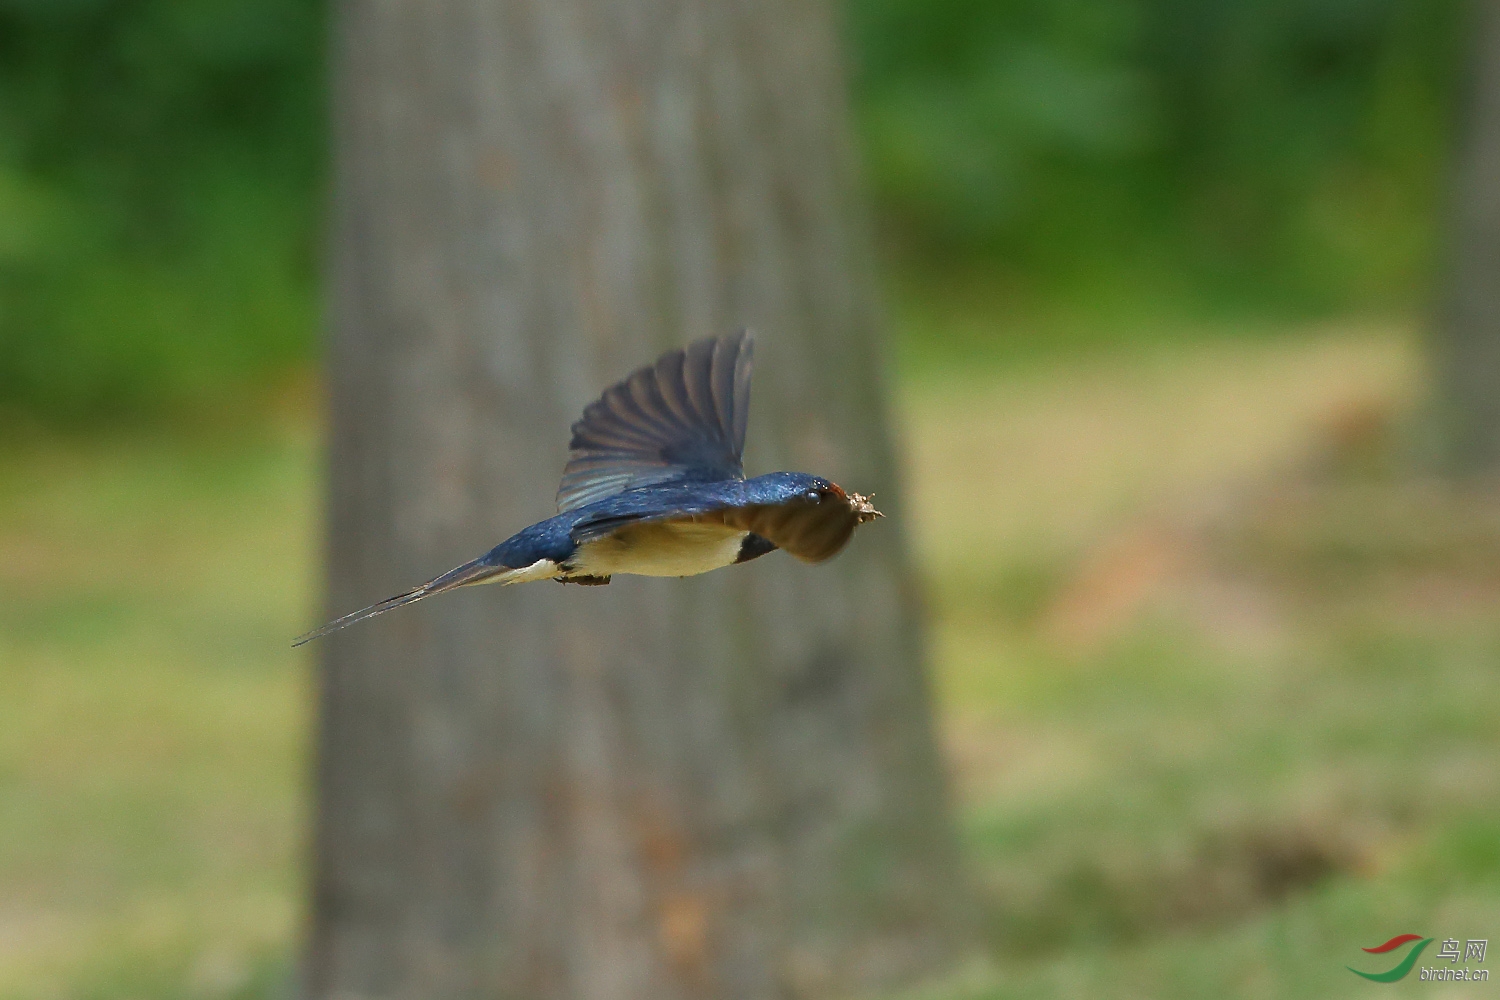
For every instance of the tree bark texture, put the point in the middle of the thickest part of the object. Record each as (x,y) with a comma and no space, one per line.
(717,787)
(1468,336)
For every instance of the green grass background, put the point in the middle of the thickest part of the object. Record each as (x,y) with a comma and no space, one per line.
(1220,700)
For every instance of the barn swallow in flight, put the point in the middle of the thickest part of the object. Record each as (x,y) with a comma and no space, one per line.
(654,486)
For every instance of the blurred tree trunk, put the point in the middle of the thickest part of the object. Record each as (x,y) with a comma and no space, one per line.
(1468,341)
(718,787)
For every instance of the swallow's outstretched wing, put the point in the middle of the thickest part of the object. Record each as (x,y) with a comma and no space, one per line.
(680,419)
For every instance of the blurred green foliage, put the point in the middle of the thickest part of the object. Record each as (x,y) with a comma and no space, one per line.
(159,189)
(160,166)
(1257,151)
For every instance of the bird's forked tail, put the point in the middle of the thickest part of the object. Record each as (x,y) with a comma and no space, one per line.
(470,573)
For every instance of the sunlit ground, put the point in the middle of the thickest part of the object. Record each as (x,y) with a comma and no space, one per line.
(1220,696)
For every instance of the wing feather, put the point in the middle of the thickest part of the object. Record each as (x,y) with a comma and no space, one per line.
(697,379)
(682,418)
(722,385)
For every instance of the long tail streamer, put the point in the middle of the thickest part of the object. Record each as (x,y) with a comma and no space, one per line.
(463,576)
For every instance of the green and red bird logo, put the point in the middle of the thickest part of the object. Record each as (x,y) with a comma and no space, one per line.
(1403,967)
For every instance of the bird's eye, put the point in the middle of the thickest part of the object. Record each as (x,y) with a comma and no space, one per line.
(813,495)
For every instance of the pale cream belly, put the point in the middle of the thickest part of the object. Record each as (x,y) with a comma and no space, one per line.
(679,549)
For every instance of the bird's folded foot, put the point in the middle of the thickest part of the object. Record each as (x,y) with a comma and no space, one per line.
(585,581)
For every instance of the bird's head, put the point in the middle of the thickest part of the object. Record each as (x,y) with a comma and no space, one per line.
(804,514)
(819,492)
(811,517)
